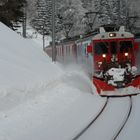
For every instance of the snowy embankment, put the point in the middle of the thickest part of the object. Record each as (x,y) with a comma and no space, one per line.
(23,62)
(38,99)
(25,68)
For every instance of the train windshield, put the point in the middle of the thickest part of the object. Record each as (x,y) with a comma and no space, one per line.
(125,46)
(101,48)
(113,47)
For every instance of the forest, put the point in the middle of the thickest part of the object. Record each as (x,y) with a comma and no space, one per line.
(72,17)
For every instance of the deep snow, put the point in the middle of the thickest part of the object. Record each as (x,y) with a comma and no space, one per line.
(41,100)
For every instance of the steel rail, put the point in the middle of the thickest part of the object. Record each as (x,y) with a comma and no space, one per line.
(125,120)
(97,116)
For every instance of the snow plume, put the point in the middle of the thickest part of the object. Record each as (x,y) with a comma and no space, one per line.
(77,77)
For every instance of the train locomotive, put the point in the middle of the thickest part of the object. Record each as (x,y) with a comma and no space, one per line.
(111,51)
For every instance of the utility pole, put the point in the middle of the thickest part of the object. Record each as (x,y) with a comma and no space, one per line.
(43,36)
(119,8)
(24,22)
(53,32)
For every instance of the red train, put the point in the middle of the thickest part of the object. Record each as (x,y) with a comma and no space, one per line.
(110,53)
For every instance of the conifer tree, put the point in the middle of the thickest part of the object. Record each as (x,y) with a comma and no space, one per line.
(69,16)
(42,18)
(11,11)
(113,11)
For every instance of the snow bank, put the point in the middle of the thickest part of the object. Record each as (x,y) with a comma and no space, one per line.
(23,63)
(40,100)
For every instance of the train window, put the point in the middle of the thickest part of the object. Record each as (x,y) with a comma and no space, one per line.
(113,47)
(101,48)
(125,46)
(137,35)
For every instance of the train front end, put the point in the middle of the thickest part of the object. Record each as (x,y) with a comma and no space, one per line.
(114,63)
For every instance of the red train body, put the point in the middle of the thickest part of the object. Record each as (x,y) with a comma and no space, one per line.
(111,53)
(114,60)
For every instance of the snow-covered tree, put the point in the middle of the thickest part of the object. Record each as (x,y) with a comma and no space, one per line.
(87,4)
(31,9)
(116,12)
(69,16)
(42,17)
(11,12)
(103,7)
(75,17)
(90,17)
(111,11)
(132,16)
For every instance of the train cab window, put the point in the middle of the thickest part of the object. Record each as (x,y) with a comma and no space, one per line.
(113,47)
(125,46)
(101,48)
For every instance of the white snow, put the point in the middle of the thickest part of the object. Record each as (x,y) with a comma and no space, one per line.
(41,100)
(117,74)
(122,91)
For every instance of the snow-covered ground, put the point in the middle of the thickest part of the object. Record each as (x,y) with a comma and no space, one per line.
(41,100)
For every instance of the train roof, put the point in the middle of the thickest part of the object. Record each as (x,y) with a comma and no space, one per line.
(105,33)
(110,27)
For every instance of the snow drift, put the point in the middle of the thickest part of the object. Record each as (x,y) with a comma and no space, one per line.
(22,62)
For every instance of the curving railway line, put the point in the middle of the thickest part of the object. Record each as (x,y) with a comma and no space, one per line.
(92,122)
(115,131)
(125,120)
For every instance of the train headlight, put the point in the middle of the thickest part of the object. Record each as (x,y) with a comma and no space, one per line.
(126,54)
(104,55)
(112,34)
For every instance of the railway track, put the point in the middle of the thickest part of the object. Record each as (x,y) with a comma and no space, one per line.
(92,122)
(118,131)
(125,120)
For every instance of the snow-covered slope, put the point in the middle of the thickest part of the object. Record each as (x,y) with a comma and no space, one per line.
(40,100)
(37,97)
(22,61)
